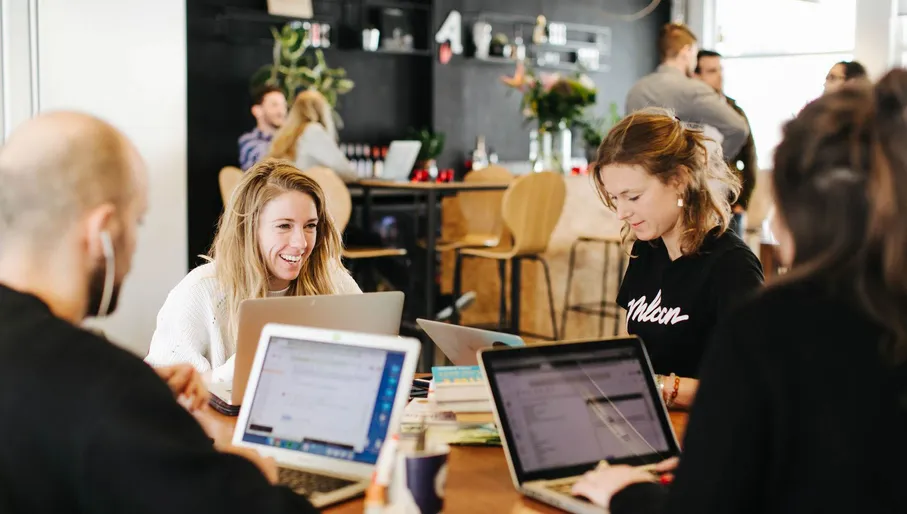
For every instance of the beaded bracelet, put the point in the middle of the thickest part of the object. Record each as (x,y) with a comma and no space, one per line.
(670,402)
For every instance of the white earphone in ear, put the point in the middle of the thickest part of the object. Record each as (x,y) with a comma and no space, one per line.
(106,244)
(109,273)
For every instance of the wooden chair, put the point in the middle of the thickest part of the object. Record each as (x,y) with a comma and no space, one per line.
(481,211)
(340,207)
(531,208)
(228,178)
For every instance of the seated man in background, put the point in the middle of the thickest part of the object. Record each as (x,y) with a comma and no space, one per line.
(671,87)
(709,70)
(270,110)
(89,427)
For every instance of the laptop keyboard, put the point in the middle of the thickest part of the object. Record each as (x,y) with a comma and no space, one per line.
(308,484)
(563,487)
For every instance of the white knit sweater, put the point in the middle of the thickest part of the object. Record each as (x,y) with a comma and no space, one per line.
(193,326)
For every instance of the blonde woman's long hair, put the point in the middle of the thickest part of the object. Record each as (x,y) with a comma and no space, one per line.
(308,107)
(240,267)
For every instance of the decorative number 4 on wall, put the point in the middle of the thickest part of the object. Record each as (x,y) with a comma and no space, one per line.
(449,36)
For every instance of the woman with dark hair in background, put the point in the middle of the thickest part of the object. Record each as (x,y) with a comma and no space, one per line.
(803,405)
(842,73)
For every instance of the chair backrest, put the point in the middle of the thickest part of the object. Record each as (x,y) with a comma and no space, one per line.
(482,209)
(532,207)
(228,178)
(337,195)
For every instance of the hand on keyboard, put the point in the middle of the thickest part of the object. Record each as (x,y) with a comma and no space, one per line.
(600,485)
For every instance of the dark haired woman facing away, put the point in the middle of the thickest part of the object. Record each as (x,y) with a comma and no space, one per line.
(802,408)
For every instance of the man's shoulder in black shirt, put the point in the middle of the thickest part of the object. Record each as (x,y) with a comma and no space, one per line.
(88,427)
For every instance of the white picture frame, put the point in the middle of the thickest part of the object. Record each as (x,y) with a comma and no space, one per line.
(291,8)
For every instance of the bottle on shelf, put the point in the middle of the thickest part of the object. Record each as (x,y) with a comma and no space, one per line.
(480,154)
(378,168)
(369,162)
(363,160)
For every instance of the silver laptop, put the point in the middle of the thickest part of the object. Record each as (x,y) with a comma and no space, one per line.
(460,344)
(376,313)
(562,408)
(322,402)
(401,156)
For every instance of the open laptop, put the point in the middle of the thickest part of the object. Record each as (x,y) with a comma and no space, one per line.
(401,156)
(460,343)
(375,313)
(563,407)
(322,402)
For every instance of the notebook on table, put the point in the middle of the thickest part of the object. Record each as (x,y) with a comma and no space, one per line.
(322,402)
(562,408)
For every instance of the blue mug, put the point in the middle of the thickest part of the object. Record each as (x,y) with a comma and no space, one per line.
(419,481)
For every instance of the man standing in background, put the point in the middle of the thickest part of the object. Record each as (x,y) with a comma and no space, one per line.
(672,87)
(709,70)
(269,110)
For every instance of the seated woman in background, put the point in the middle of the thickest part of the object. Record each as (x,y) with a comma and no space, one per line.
(803,402)
(671,193)
(844,72)
(275,238)
(308,137)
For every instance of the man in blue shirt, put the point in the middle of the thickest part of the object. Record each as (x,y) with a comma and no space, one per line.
(269,110)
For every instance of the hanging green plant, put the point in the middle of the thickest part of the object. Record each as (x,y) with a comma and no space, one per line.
(294,68)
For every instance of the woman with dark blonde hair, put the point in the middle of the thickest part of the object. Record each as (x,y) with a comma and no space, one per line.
(803,404)
(308,137)
(275,238)
(670,187)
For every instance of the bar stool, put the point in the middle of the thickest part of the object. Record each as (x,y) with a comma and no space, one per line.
(531,208)
(604,308)
(340,206)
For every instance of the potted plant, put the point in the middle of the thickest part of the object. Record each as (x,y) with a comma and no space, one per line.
(595,129)
(556,103)
(432,146)
(293,68)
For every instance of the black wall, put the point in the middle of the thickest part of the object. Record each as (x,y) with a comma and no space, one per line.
(229,39)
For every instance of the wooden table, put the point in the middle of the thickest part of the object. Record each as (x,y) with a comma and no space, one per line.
(432,191)
(477,481)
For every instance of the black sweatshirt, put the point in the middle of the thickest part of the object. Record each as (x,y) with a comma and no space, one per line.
(87,427)
(673,306)
(797,412)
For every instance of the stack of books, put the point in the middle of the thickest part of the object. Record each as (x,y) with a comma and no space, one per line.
(458,389)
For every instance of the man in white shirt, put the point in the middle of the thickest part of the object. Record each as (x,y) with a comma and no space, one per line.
(692,101)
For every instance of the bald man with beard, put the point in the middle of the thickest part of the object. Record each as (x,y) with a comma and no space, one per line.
(86,427)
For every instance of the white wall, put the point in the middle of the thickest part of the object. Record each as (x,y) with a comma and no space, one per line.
(875,41)
(125,61)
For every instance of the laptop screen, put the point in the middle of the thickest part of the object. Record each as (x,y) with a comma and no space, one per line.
(563,408)
(324,399)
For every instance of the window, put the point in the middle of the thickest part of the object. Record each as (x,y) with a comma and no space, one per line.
(776,55)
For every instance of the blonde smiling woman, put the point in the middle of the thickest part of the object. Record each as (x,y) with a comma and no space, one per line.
(274,239)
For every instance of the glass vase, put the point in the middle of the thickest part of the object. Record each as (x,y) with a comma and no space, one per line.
(551,148)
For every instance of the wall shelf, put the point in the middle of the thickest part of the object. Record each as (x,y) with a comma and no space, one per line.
(571,53)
